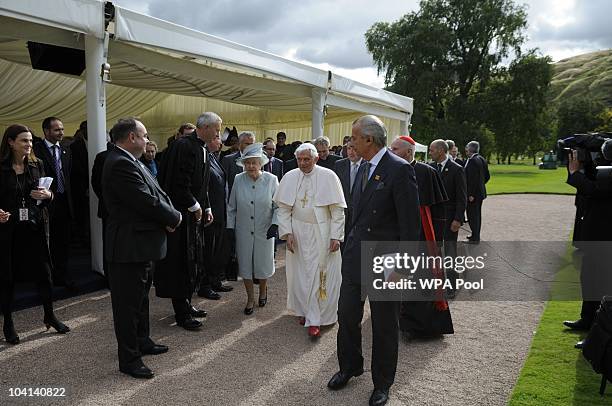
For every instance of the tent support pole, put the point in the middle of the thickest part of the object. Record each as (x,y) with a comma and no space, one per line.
(96,129)
(318,104)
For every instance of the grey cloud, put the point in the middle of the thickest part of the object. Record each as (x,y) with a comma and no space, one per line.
(591,24)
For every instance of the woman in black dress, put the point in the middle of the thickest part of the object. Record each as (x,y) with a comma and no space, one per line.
(24,249)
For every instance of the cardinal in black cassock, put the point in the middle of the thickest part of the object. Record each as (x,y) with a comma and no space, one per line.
(426,318)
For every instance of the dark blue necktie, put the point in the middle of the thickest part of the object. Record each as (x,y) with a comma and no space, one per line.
(58,168)
(361,180)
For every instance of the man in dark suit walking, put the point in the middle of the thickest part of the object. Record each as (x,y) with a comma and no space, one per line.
(275,165)
(476,175)
(139,214)
(215,250)
(385,208)
(453,177)
(58,164)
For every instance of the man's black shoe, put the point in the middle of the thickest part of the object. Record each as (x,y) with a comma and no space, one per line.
(189,324)
(141,372)
(223,288)
(209,294)
(155,349)
(340,379)
(579,344)
(199,313)
(379,397)
(577,325)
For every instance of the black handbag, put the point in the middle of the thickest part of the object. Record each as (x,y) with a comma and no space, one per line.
(597,348)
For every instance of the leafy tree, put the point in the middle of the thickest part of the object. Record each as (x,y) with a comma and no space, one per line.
(579,115)
(444,54)
(515,103)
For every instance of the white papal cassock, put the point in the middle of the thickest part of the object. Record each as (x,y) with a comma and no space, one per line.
(311,207)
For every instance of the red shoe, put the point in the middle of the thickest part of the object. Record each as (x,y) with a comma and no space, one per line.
(302,320)
(314,331)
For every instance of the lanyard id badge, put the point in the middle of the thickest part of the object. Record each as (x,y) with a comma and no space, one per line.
(23,212)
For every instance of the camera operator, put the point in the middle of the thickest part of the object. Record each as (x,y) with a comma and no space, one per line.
(596,228)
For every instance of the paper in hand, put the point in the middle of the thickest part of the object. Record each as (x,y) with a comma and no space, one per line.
(45,183)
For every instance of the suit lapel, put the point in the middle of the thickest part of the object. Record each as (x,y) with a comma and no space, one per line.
(375,180)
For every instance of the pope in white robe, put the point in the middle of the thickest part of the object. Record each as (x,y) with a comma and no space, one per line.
(311,219)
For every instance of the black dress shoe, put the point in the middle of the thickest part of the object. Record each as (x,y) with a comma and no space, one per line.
(223,288)
(10,335)
(189,324)
(248,310)
(579,344)
(141,372)
(52,321)
(379,397)
(577,325)
(155,349)
(209,294)
(340,379)
(197,312)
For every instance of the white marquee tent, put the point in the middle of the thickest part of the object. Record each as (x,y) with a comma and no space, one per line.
(167,74)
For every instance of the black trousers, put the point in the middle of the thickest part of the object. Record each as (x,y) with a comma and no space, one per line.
(595,278)
(385,335)
(450,247)
(59,236)
(216,253)
(129,286)
(474,210)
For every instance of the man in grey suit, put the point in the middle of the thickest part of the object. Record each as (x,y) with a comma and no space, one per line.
(139,215)
(385,204)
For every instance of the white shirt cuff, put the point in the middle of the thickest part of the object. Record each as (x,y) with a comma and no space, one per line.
(195,207)
(208,211)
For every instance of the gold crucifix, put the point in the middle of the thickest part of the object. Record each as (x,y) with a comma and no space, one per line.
(304,200)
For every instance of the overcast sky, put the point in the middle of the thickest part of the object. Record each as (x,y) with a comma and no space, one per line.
(330,34)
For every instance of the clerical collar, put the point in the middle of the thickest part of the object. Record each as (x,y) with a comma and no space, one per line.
(127,152)
(311,172)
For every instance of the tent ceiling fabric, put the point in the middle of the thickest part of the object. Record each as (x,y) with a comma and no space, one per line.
(156,63)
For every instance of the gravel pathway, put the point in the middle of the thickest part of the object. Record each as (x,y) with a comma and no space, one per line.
(267,358)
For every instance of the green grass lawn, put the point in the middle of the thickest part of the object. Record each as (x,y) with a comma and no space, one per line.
(525,178)
(555,373)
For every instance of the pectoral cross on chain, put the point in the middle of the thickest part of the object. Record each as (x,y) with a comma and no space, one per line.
(304,200)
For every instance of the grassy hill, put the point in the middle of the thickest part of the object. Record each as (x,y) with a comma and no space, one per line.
(584,75)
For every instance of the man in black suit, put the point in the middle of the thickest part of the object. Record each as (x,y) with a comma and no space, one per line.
(385,208)
(595,276)
(140,213)
(184,175)
(215,255)
(453,177)
(96,185)
(229,161)
(58,164)
(346,170)
(275,165)
(476,175)
(284,151)
(326,158)
(79,178)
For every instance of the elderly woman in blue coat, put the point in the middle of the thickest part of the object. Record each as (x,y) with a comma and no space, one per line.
(252,215)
